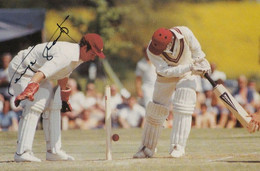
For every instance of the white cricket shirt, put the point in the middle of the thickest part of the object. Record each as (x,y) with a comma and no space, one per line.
(63,59)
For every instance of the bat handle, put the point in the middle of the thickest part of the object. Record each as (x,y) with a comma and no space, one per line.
(213,83)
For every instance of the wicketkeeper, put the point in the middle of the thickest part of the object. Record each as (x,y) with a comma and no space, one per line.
(34,91)
(178,57)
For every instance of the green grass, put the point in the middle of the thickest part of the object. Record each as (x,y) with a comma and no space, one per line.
(207,149)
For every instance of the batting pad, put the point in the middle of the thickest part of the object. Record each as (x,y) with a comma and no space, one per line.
(180,129)
(52,124)
(27,128)
(184,101)
(155,116)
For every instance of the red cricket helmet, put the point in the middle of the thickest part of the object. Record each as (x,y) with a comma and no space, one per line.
(161,38)
(96,43)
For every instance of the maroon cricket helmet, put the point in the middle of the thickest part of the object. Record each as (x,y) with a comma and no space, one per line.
(161,38)
(96,43)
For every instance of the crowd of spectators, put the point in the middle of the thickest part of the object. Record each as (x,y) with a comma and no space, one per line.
(128,110)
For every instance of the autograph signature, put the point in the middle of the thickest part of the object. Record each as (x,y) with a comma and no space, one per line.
(28,67)
(45,54)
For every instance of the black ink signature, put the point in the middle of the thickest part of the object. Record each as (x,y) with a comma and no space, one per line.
(28,67)
(45,55)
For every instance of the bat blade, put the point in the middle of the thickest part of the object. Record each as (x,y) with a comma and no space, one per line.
(232,104)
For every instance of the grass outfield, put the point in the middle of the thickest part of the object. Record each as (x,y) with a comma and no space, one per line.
(207,149)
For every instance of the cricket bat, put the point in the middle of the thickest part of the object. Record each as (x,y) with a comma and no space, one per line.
(230,102)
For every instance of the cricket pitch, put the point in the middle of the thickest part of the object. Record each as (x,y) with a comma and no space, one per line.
(207,149)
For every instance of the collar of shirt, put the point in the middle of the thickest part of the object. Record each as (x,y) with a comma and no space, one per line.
(178,35)
(172,50)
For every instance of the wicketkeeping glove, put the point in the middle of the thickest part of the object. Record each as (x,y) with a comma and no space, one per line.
(66,107)
(65,94)
(28,93)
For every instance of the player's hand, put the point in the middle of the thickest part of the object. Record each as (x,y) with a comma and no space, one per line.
(28,93)
(200,66)
(254,124)
(252,127)
(256,118)
(66,107)
(65,94)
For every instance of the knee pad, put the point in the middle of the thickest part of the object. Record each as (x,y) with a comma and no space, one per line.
(184,101)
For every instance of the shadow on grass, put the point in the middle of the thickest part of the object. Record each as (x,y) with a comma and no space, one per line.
(240,161)
(8,161)
(87,160)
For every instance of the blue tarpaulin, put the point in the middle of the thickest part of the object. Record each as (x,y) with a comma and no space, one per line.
(15,23)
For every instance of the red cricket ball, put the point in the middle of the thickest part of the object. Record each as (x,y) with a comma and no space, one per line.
(115,137)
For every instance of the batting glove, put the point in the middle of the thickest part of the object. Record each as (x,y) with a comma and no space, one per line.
(200,66)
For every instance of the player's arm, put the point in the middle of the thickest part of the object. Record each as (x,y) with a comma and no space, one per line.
(38,77)
(193,43)
(163,69)
(65,94)
(138,85)
(63,83)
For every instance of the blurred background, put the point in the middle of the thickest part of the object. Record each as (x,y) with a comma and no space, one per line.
(228,31)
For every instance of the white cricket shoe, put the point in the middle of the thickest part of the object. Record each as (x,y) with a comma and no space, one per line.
(177,151)
(26,157)
(58,156)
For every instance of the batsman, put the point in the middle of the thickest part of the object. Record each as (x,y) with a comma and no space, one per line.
(178,57)
(30,72)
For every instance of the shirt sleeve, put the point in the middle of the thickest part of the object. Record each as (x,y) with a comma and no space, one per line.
(193,43)
(163,69)
(138,71)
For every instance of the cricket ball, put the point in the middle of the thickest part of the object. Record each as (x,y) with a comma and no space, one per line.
(115,137)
